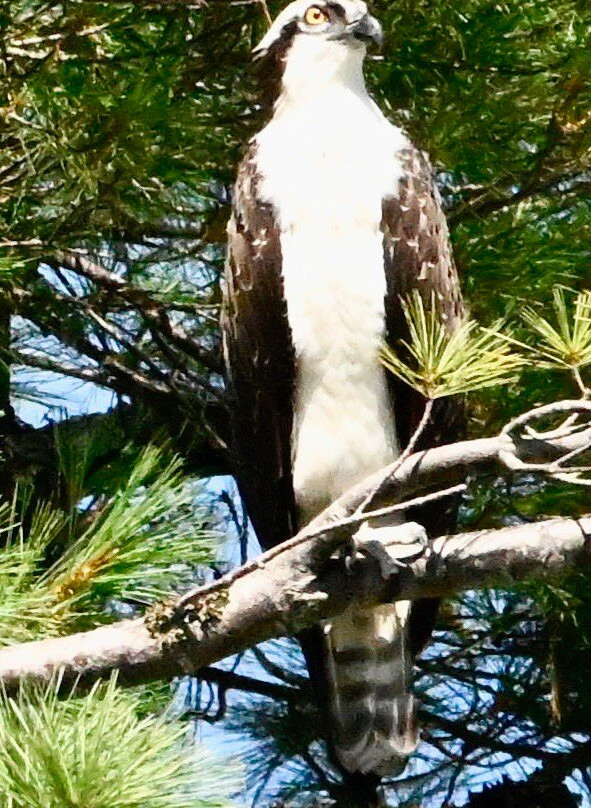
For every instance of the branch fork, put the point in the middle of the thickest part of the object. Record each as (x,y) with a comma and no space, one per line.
(572,432)
(300,582)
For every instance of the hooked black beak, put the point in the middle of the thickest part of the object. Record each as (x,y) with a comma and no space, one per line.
(367,29)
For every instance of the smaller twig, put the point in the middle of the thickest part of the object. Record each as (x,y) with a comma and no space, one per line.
(267,15)
(357,517)
(568,427)
(574,453)
(30,242)
(409,449)
(525,418)
(110,368)
(222,704)
(284,675)
(457,770)
(556,468)
(150,309)
(573,478)
(307,536)
(240,524)
(579,381)
(115,332)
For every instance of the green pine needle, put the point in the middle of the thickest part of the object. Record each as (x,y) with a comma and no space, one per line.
(446,364)
(95,752)
(26,608)
(566,343)
(144,542)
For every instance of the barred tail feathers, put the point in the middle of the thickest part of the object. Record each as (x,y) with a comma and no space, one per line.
(370,670)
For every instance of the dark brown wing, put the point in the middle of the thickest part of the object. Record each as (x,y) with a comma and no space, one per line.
(259,359)
(417,255)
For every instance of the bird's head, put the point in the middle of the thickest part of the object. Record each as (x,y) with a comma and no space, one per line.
(312,41)
(321,24)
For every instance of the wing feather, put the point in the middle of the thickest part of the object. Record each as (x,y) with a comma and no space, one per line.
(417,256)
(259,359)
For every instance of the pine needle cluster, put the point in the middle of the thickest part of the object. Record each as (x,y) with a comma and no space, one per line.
(112,748)
(563,342)
(472,358)
(138,545)
(443,363)
(94,751)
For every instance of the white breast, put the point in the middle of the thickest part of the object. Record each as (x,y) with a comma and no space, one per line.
(326,167)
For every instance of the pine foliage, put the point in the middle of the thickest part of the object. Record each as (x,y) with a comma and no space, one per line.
(120,125)
(449,364)
(107,748)
(566,343)
(94,751)
(143,541)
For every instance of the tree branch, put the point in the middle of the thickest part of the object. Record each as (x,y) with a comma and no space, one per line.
(491,201)
(228,680)
(518,447)
(113,374)
(295,589)
(300,582)
(151,310)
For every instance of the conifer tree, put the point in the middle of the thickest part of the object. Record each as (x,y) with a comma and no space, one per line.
(120,126)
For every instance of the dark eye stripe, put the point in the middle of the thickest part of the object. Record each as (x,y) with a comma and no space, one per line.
(338,10)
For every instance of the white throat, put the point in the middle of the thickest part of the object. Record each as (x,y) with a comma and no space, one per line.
(326,161)
(314,69)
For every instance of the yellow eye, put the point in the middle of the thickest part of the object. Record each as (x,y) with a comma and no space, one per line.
(315,16)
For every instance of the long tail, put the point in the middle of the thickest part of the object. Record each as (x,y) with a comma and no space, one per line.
(370,668)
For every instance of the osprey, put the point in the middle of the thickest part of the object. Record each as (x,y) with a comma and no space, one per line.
(335,218)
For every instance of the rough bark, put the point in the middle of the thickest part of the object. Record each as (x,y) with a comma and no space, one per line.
(289,590)
(300,582)
(517,448)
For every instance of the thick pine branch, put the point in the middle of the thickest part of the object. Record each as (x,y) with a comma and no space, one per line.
(300,582)
(291,591)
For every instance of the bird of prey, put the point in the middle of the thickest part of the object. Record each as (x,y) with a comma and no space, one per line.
(335,219)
